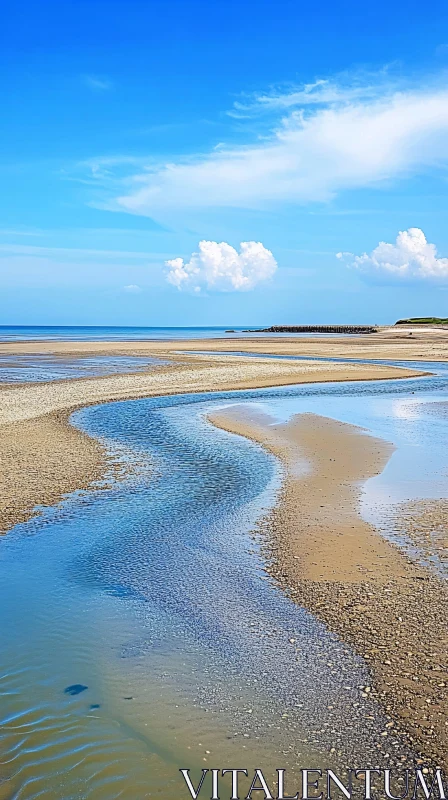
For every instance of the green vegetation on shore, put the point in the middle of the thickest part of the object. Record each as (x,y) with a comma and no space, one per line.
(423,321)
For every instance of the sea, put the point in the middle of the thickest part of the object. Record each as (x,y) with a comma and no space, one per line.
(109,333)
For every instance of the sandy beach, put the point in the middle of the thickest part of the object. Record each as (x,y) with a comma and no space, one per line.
(391,611)
(43,457)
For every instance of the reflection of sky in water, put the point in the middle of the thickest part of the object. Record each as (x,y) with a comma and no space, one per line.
(417,469)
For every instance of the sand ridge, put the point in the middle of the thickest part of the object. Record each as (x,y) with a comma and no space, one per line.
(192,374)
(368,592)
(325,463)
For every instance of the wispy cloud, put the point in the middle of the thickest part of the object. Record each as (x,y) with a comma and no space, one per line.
(98,83)
(21,232)
(107,171)
(80,253)
(412,257)
(218,266)
(345,88)
(327,137)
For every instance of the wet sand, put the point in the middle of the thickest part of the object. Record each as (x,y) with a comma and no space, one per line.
(43,457)
(367,591)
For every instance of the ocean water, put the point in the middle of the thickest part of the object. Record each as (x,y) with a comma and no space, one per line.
(100,333)
(140,632)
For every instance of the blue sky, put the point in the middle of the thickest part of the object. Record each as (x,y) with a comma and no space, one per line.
(132,132)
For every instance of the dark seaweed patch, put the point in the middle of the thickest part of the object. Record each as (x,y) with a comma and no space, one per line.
(75,688)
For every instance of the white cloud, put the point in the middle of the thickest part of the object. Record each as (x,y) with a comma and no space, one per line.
(98,83)
(132,288)
(327,138)
(346,89)
(412,256)
(218,266)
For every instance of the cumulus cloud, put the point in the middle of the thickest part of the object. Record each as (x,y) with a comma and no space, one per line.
(412,256)
(219,267)
(323,138)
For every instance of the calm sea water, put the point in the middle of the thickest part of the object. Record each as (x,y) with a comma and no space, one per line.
(79,333)
(139,631)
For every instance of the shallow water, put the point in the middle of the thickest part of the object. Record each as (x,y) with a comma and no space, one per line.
(41,367)
(151,600)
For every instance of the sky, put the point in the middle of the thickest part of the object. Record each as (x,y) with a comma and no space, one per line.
(236,162)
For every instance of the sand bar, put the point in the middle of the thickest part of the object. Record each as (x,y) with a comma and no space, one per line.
(391,611)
